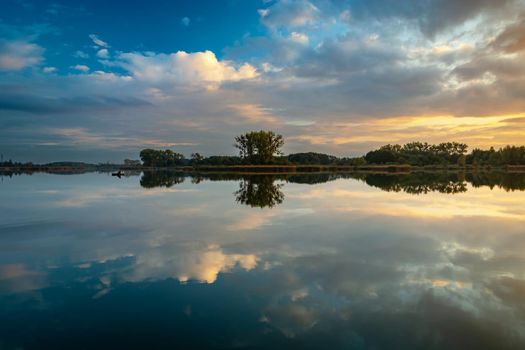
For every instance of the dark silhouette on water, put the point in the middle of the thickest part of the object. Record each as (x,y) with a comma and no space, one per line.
(151,179)
(261,190)
(419,183)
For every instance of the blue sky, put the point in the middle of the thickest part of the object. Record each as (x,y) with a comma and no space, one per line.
(158,26)
(98,81)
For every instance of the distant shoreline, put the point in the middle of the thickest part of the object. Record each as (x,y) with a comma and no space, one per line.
(260,153)
(261,169)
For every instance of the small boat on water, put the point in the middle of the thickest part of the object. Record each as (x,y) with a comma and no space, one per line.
(118,174)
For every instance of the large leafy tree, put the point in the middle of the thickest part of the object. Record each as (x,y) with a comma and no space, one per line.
(159,158)
(259,147)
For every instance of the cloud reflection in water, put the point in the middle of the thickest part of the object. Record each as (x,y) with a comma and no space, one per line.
(352,261)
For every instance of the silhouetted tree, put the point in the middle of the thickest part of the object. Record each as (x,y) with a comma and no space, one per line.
(312,158)
(196,158)
(418,153)
(159,158)
(259,147)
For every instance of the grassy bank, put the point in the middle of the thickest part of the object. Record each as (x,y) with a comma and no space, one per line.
(265,169)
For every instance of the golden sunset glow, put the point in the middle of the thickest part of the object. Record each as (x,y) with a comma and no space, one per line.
(477,132)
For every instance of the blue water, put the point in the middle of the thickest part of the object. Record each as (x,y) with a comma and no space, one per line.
(91,261)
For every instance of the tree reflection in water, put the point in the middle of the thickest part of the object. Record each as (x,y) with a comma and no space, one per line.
(419,183)
(152,179)
(259,191)
(262,191)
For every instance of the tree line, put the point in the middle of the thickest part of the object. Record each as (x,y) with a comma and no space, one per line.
(508,155)
(256,147)
(265,147)
(449,153)
(419,153)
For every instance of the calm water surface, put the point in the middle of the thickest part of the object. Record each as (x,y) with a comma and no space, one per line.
(316,261)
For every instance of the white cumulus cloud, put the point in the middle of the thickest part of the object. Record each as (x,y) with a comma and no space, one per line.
(185,68)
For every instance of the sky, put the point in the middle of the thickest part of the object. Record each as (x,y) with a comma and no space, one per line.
(98,81)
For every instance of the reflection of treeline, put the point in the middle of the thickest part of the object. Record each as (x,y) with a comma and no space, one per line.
(506,181)
(151,179)
(255,190)
(312,179)
(418,183)
(11,173)
(169,178)
(199,177)
(414,183)
(423,182)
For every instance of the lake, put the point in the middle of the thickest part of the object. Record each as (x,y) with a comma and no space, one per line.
(353,261)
